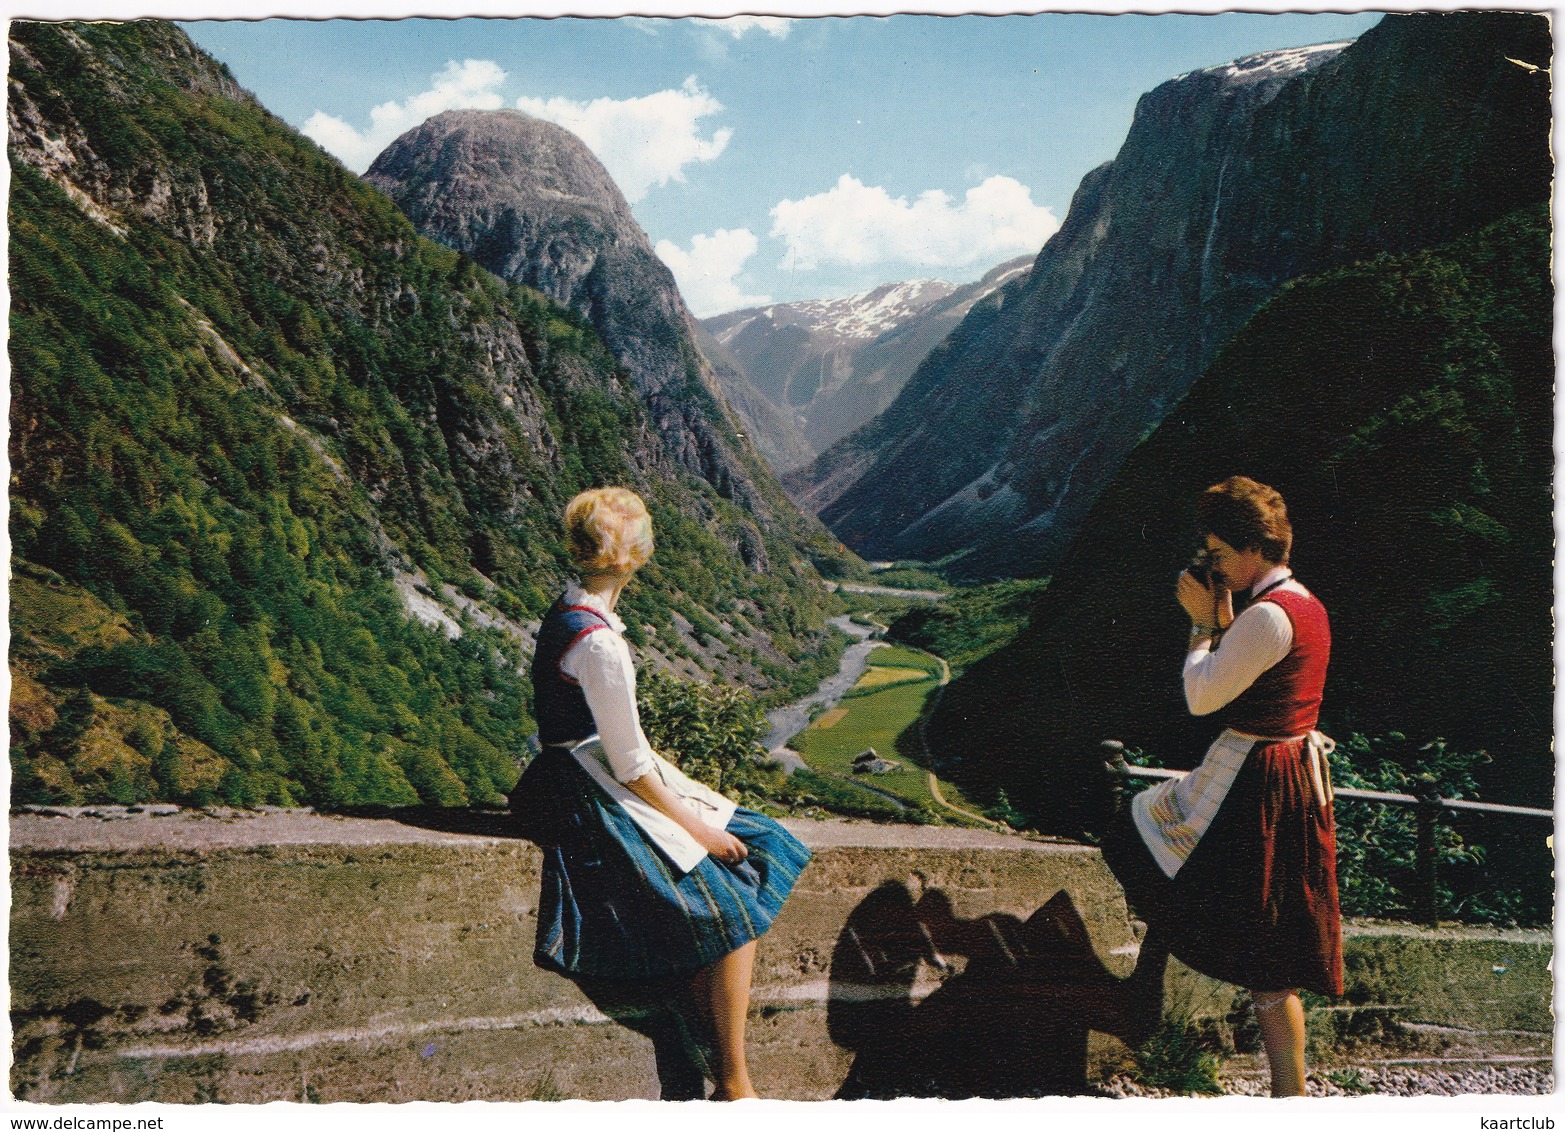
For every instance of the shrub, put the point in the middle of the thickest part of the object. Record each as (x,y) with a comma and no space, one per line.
(1177,1059)
(711,732)
(1377,844)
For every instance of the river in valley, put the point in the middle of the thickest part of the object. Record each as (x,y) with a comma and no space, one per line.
(790,719)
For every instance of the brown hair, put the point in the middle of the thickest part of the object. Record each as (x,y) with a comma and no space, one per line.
(608,530)
(1246,514)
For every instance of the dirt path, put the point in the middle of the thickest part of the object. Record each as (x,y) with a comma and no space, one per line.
(923,741)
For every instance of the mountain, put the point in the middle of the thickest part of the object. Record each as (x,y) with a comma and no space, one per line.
(832,364)
(287,477)
(1404,408)
(775,431)
(528,201)
(1231,181)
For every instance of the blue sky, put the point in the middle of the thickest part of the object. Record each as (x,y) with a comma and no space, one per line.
(770,159)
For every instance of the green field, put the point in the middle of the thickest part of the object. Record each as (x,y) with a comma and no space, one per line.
(880,712)
(898,656)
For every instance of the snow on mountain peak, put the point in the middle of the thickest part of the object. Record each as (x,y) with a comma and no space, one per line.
(864,316)
(1280,64)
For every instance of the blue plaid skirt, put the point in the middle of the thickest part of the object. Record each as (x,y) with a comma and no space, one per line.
(614,907)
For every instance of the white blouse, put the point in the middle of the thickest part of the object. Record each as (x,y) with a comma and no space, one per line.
(619,753)
(601,663)
(1173,816)
(1258,638)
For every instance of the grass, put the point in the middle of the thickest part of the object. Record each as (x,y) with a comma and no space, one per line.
(1350,1081)
(840,796)
(1176,1058)
(880,712)
(899,656)
(545,1088)
(879,606)
(909,577)
(877,677)
(969,624)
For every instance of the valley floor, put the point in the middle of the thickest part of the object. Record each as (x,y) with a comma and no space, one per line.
(882,713)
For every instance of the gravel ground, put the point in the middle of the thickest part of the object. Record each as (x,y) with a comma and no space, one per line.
(1387,1080)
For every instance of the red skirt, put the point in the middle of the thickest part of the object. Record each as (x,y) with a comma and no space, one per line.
(1255,904)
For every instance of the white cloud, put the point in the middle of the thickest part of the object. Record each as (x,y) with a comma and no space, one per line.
(775,26)
(857,225)
(643,141)
(705,273)
(468,85)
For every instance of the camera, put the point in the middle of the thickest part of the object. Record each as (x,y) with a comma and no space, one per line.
(1200,567)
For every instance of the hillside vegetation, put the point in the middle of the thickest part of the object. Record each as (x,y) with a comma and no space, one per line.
(249,403)
(1232,180)
(1404,409)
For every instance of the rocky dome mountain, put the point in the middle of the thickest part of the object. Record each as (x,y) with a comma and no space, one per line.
(1232,181)
(833,364)
(528,201)
(287,477)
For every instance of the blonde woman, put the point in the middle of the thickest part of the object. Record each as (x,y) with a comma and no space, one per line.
(647,874)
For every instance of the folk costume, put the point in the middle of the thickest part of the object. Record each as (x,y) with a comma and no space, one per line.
(627,892)
(1235,865)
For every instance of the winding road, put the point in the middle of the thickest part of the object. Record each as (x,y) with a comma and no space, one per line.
(923,741)
(789,720)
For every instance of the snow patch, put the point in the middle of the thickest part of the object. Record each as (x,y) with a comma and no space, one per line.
(1283,64)
(864,316)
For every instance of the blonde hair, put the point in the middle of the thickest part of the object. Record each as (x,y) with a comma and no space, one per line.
(609,530)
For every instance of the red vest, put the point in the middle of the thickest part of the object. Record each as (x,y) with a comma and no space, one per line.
(1285,699)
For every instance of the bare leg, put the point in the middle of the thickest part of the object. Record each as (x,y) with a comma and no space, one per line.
(724,990)
(1280,1015)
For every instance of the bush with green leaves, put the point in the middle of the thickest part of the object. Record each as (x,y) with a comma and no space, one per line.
(1003,811)
(971,623)
(1176,1058)
(712,732)
(909,576)
(1377,843)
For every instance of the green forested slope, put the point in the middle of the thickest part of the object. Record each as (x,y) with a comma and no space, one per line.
(246,400)
(1404,409)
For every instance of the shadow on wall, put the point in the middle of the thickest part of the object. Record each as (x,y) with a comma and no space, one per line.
(1013,1023)
(1013,1020)
(663,1011)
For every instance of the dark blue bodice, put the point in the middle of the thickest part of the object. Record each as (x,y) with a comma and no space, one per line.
(563,714)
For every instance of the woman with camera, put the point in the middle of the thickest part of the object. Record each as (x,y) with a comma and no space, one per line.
(1234,866)
(647,875)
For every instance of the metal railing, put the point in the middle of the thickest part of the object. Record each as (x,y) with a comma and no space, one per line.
(1428,807)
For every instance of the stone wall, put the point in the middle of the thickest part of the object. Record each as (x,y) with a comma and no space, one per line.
(287,956)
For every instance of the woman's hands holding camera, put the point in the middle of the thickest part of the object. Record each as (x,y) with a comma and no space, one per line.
(1210,604)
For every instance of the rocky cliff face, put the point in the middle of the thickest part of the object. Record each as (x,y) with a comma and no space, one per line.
(1404,408)
(257,421)
(1232,181)
(528,201)
(775,430)
(830,365)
